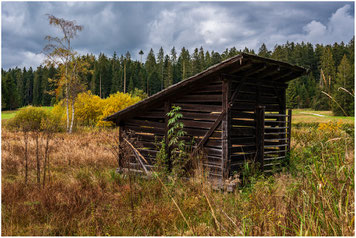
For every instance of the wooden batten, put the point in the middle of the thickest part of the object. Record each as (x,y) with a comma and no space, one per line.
(226,126)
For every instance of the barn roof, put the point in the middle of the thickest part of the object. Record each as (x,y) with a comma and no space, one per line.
(241,65)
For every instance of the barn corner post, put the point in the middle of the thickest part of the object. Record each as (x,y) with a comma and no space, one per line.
(282,110)
(260,134)
(289,133)
(120,146)
(226,126)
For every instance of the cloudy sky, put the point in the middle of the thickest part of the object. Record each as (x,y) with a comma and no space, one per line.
(131,26)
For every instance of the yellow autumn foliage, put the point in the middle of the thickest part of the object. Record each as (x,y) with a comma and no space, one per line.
(114,103)
(88,108)
(91,109)
(330,126)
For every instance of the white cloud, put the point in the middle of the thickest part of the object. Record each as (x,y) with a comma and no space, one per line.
(340,26)
(30,59)
(127,26)
(210,26)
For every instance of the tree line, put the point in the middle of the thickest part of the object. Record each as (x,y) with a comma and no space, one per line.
(328,86)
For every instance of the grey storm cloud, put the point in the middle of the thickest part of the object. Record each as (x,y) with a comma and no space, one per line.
(132,26)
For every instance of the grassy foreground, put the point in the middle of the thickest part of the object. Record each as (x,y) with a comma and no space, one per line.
(84,196)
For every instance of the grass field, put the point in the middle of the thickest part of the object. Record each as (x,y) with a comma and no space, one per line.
(308,115)
(11,114)
(83,195)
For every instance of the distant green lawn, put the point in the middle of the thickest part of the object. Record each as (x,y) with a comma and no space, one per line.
(309,115)
(11,114)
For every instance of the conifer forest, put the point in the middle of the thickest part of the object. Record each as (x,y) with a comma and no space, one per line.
(330,77)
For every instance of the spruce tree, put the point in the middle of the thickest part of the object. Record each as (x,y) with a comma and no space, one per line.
(344,89)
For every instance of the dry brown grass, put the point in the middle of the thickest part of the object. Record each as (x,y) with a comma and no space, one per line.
(86,197)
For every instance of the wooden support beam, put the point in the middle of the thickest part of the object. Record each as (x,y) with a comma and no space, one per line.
(226,127)
(120,158)
(289,132)
(236,92)
(260,124)
(210,132)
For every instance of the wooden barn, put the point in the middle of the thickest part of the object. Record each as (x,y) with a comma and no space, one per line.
(235,111)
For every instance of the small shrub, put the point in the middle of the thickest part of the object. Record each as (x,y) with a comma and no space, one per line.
(28,119)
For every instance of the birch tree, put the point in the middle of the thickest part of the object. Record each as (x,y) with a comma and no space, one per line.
(60,53)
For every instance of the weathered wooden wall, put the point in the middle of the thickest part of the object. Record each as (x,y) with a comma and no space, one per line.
(234,138)
(201,107)
(244,135)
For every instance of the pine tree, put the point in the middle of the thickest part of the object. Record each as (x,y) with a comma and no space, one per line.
(344,89)
(160,61)
(152,76)
(263,51)
(37,87)
(9,92)
(168,74)
(291,95)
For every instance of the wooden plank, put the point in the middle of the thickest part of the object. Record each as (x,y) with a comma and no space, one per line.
(289,130)
(202,132)
(240,114)
(199,107)
(275,146)
(120,158)
(244,156)
(211,88)
(196,124)
(242,131)
(269,151)
(226,127)
(209,132)
(214,143)
(236,92)
(146,123)
(237,122)
(199,98)
(243,140)
(149,137)
(268,115)
(157,114)
(245,148)
(212,151)
(260,126)
(274,158)
(156,131)
(205,116)
(250,107)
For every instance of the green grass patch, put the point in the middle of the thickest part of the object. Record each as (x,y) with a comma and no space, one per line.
(311,116)
(10,114)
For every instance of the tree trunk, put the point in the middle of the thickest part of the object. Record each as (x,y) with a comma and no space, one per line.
(67,98)
(45,159)
(125,76)
(72,121)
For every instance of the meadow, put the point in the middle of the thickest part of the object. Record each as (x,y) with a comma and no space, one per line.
(10,114)
(83,195)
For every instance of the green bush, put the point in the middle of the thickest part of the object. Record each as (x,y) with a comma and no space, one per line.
(33,119)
